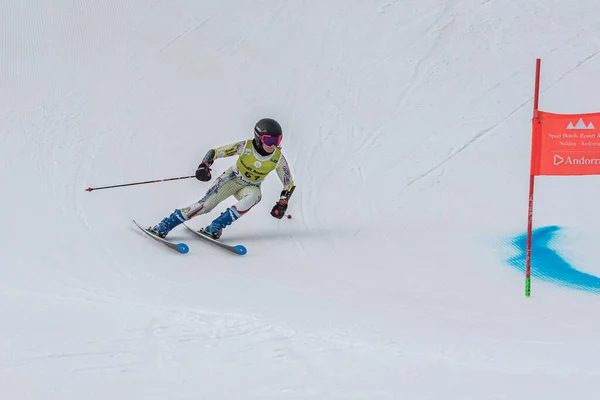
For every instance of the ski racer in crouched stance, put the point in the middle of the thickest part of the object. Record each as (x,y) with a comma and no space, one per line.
(257,158)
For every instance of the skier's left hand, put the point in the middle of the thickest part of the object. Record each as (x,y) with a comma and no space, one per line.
(278,210)
(203,172)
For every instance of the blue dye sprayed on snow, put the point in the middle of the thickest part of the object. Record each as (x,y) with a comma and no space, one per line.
(548,265)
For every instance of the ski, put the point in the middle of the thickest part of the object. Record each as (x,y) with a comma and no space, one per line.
(237,249)
(180,247)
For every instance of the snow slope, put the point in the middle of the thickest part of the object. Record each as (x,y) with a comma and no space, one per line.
(407,126)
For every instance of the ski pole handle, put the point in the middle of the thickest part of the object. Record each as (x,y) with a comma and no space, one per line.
(139,183)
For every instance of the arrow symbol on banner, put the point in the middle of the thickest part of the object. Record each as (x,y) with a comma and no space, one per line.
(558,159)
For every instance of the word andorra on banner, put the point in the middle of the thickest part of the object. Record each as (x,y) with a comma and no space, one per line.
(568,160)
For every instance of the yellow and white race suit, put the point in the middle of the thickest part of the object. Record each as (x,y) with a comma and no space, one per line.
(241,180)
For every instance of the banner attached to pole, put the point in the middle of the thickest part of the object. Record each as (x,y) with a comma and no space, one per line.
(566,144)
(561,144)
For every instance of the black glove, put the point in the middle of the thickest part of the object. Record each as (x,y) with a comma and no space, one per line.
(278,210)
(203,172)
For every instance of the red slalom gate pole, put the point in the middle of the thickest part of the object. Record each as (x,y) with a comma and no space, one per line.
(139,183)
(534,159)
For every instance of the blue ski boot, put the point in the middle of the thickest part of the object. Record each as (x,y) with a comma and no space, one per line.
(215,229)
(163,228)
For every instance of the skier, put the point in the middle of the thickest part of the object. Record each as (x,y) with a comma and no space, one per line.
(257,158)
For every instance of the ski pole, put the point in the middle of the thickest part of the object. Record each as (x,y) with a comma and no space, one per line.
(138,183)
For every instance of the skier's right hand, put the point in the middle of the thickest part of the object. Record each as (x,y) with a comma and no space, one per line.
(203,172)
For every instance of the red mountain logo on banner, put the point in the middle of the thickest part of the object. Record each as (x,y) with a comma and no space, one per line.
(580,125)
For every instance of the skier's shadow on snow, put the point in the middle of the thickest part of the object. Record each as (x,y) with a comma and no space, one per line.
(258,236)
(173,237)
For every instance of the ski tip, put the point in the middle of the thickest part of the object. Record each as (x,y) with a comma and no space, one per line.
(183,248)
(241,250)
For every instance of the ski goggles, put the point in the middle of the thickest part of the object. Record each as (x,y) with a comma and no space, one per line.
(269,140)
